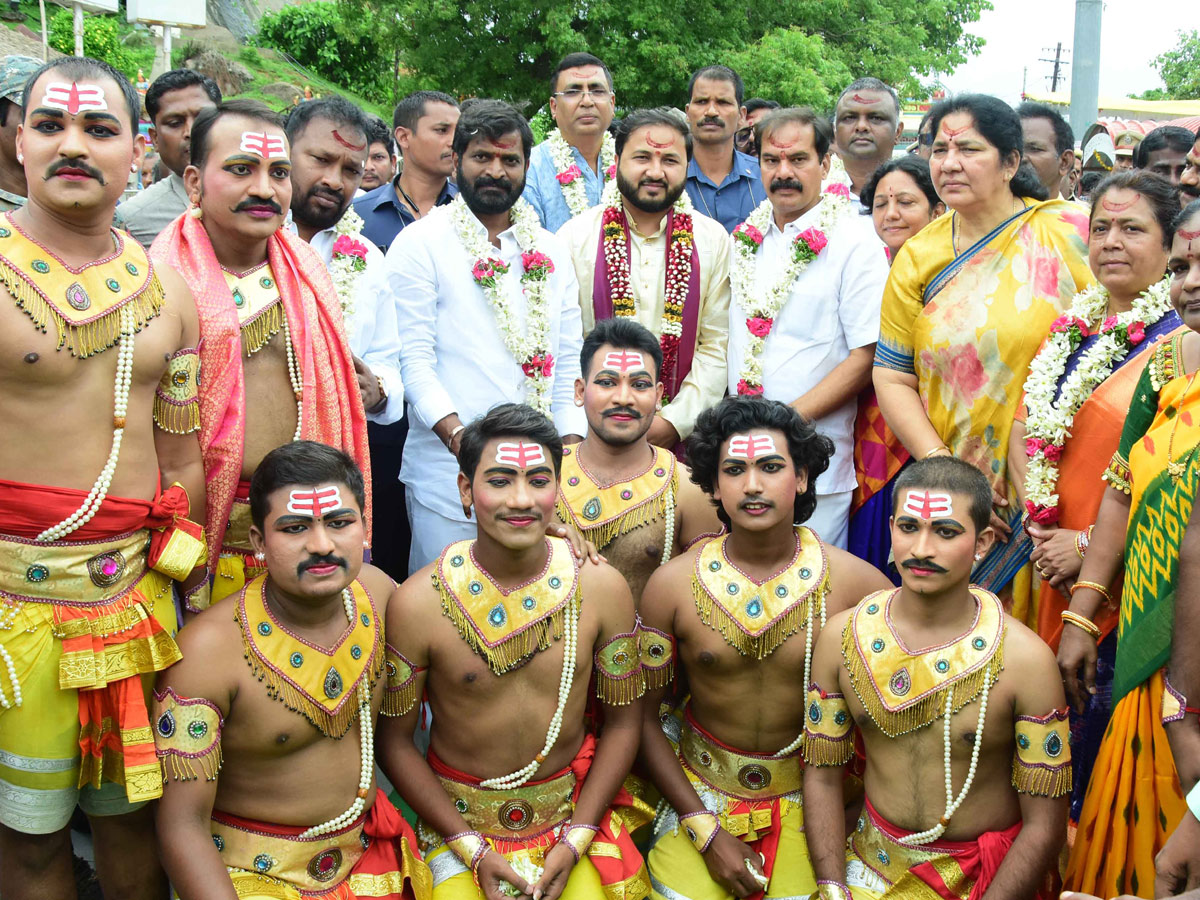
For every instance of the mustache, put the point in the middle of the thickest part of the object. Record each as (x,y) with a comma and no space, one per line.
(712,120)
(61,164)
(915,563)
(327,560)
(783,184)
(621,411)
(487,181)
(253,202)
(338,197)
(1189,190)
(653,182)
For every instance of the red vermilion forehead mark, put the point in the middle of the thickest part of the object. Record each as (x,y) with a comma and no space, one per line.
(1113,207)
(656,144)
(345,143)
(859,98)
(927,504)
(1188,236)
(781,145)
(503,145)
(74,97)
(520,454)
(954,132)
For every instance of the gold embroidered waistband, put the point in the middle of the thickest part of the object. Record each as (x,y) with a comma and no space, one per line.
(513,814)
(314,864)
(72,573)
(891,860)
(745,776)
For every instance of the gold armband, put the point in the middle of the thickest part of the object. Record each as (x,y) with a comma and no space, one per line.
(828,729)
(187,737)
(400,692)
(619,679)
(177,397)
(657,651)
(1118,474)
(1042,761)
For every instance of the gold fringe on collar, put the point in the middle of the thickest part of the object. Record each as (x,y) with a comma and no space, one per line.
(334,722)
(258,331)
(755,619)
(506,627)
(904,691)
(604,513)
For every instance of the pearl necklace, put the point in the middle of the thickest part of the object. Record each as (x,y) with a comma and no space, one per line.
(8,618)
(952,802)
(570,641)
(294,377)
(122,383)
(366,741)
(808,649)
(669,537)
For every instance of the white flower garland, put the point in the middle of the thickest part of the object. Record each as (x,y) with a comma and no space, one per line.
(574,190)
(531,350)
(1047,423)
(343,269)
(764,306)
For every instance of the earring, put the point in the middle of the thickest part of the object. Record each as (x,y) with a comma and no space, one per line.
(133,167)
(978,556)
(196,212)
(21,158)
(260,556)
(579,403)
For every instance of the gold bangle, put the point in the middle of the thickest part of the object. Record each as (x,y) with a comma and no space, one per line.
(1098,588)
(936,450)
(1081,622)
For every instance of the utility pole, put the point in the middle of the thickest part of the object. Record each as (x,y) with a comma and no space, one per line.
(1085,85)
(1057,73)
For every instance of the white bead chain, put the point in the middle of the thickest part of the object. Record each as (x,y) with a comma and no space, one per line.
(12,678)
(366,740)
(808,648)
(122,383)
(952,802)
(294,377)
(570,640)
(669,539)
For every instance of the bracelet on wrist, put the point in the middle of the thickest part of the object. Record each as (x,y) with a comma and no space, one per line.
(1081,543)
(578,837)
(701,828)
(833,890)
(454,433)
(1081,622)
(936,450)
(1095,586)
(470,847)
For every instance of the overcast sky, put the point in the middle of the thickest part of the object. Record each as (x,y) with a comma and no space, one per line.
(1132,34)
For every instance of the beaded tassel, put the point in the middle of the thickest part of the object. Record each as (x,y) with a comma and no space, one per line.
(605,533)
(759,645)
(183,768)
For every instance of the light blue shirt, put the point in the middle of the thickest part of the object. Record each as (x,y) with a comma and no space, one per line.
(544,193)
(731,201)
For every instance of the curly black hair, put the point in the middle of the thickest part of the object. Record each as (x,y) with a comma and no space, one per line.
(809,450)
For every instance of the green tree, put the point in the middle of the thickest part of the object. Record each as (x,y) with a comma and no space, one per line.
(1180,68)
(507,48)
(792,67)
(101,39)
(339,47)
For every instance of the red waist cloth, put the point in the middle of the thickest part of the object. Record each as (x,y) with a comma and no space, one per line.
(979,859)
(26,510)
(620,862)
(386,853)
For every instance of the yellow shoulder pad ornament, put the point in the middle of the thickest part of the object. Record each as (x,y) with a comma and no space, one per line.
(187,737)
(177,397)
(1042,760)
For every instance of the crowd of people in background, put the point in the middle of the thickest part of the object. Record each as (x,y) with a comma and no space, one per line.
(725,501)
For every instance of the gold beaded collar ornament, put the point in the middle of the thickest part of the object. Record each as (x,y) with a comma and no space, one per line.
(259,307)
(902,690)
(318,683)
(756,617)
(187,737)
(83,304)
(506,627)
(604,512)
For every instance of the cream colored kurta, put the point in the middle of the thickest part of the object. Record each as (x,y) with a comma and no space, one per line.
(704,385)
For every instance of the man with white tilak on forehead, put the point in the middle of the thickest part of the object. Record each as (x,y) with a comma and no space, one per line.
(99,456)
(961,710)
(807,273)
(277,365)
(739,614)
(635,502)
(504,635)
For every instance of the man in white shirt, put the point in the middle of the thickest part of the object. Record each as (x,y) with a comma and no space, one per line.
(568,170)
(630,276)
(807,275)
(489,313)
(866,126)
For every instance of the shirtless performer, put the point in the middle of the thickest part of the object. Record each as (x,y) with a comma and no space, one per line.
(968,765)
(277,364)
(742,611)
(265,729)
(99,457)
(503,636)
(617,488)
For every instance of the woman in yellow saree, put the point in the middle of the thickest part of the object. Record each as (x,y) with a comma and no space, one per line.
(966,306)
(1131,809)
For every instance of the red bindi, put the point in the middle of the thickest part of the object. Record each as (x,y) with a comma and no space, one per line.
(1117,207)
(345,143)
